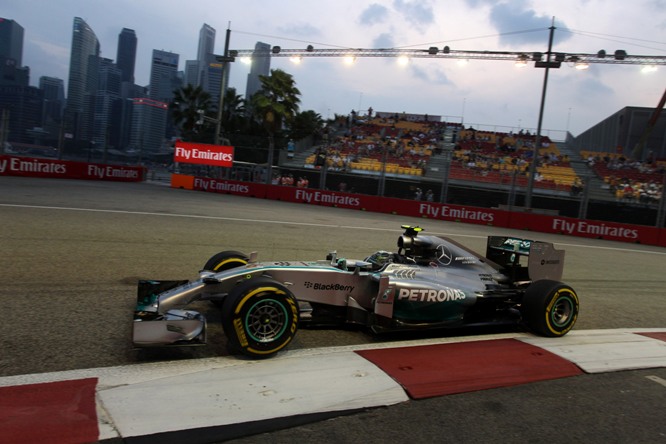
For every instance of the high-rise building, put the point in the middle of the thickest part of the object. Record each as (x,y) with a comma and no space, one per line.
(126,54)
(206,42)
(163,75)
(82,82)
(213,75)
(261,65)
(20,103)
(106,122)
(192,72)
(12,72)
(11,40)
(149,119)
(53,90)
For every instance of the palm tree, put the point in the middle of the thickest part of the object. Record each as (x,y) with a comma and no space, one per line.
(233,112)
(275,104)
(190,103)
(306,123)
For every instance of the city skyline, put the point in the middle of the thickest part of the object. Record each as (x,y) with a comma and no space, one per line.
(490,93)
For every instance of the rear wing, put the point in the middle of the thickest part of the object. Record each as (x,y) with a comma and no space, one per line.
(543,260)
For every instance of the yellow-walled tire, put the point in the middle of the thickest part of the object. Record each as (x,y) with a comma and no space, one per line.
(550,308)
(225,261)
(259,317)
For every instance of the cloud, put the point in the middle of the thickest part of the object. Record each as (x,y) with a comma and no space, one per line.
(436,77)
(373,15)
(511,19)
(301,30)
(418,13)
(384,40)
(518,24)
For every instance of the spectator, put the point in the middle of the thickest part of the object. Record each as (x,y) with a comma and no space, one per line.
(291,148)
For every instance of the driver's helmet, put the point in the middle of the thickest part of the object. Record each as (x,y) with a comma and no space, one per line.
(379,259)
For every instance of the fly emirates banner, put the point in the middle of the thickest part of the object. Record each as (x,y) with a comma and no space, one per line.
(204,154)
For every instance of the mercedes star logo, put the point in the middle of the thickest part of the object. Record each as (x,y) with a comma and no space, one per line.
(444,255)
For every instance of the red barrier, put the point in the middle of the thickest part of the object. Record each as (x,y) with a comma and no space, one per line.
(585,228)
(65,169)
(457,213)
(248,189)
(454,213)
(324,198)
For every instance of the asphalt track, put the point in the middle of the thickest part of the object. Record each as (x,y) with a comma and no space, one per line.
(72,252)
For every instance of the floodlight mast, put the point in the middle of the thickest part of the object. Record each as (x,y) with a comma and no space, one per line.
(553,60)
(619,58)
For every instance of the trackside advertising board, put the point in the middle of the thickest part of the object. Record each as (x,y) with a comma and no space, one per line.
(65,169)
(204,154)
(540,223)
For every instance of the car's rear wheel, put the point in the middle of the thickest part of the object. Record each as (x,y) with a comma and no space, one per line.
(226,260)
(259,317)
(550,308)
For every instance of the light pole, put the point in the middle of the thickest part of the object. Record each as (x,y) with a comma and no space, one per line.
(537,140)
(225,59)
(447,151)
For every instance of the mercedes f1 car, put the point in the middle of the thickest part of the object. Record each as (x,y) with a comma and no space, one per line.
(428,283)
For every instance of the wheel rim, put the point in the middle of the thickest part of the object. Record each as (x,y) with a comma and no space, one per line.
(562,311)
(229,263)
(266,320)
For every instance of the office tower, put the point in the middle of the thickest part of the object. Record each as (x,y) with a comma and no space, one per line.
(106,118)
(206,45)
(129,92)
(12,72)
(192,72)
(149,119)
(213,71)
(82,82)
(261,65)
(53,90)
(126,54)
(163,75)
(20,103)
(11,41)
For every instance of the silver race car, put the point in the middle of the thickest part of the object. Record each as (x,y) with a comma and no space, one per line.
(427,283)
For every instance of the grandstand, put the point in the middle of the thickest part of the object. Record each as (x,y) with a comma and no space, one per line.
(399,147)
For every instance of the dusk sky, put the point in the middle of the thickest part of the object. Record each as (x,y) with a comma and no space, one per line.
(486,94)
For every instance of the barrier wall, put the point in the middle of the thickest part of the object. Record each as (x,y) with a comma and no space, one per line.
(456,213)
(65,169)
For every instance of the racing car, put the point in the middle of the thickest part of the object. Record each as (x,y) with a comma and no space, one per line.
(428,282)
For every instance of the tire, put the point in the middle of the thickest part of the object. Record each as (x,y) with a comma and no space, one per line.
(550,308)
(259,317)
(226,260)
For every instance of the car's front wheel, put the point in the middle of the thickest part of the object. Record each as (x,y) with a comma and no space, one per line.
(550,308)
(226,260)
(259,317)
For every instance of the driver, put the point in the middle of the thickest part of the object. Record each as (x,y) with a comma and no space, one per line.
(380,259)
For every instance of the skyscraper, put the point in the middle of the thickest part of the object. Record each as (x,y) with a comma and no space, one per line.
(206,43)
(19,102)
(82,77)
(163,75)
(210,71)
(192,72)
(261,65)
(149,119)
(53,89)
(126,54)
(106,123)
(11,41)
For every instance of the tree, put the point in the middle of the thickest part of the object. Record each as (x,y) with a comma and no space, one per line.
(275,105)
(190,103)
(233,112)
(307,123)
